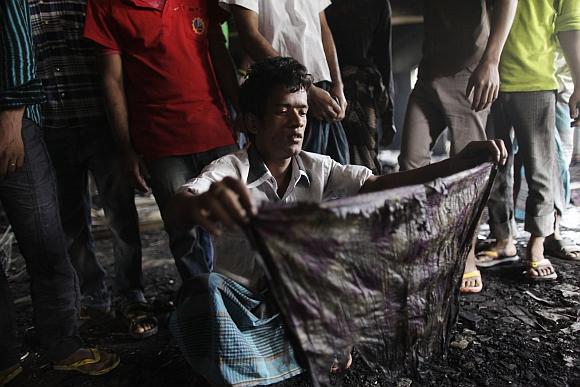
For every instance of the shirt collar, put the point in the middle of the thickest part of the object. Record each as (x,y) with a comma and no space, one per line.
(258,172)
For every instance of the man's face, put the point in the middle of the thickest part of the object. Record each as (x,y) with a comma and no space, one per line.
(280,132)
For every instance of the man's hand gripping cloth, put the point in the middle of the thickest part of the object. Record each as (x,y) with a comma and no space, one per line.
(380,272)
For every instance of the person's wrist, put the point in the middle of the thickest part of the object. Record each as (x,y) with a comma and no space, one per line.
(337,86)
(489,60)
(12,114)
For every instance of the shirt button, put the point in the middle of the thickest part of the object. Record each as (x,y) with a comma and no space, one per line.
(62,94)
(57,69)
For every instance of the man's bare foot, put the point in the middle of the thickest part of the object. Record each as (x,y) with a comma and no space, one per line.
(141,321)
(555,246)
(89,361)
(503,251)
(539,268)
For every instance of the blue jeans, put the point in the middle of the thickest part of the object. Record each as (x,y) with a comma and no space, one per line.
(191,249)
(74,153)
(30,201)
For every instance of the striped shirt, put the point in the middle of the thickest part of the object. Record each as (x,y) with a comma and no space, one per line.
(66,65)
(19,85)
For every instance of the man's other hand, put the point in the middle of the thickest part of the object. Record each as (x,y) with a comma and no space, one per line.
(337,93)
(11,146)
(484,84)
(133,168)
(322,105)
(490,150)
(574,105)
(227,203)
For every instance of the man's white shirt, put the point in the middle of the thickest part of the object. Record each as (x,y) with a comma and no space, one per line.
(293,29)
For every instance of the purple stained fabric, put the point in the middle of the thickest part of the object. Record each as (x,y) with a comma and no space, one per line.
(379,272)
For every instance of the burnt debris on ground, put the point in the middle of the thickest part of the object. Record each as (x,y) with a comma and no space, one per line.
(514,333)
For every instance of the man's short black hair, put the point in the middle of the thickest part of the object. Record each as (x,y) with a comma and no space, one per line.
(263,77)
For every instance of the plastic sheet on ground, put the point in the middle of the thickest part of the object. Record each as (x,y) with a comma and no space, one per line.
(378,271)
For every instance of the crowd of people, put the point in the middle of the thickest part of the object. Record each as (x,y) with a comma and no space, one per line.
(144,94)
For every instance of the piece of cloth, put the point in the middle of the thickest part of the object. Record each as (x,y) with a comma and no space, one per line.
(66,64)
(531,116)
(456,33)
(76,152)
(380,272)
(527,60)
(436,104)
(19,85)
(368,108)
(191,249)
(325,137)
(293,29)
(314,178)
(228,336)
(361,32)
(174,102)
(30,200)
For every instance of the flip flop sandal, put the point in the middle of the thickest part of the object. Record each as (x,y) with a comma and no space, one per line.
(490,258)
(557,248)
(95,359)
(137,314)
(537,265)
(8,375)
(471,289)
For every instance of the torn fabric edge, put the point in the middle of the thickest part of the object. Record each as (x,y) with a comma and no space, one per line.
(378,271)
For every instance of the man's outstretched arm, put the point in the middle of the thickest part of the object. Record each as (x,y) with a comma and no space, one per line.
(474,153)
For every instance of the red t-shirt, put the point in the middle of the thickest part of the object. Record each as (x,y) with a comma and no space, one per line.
(174,103)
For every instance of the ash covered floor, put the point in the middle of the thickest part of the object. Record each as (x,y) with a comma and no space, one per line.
(514,333)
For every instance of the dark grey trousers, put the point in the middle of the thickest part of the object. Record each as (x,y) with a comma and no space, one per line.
(531,115)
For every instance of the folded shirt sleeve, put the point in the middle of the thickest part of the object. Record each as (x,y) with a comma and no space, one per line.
(323,4)
(344,180)
(568,18)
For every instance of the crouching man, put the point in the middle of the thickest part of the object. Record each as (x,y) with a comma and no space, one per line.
(226,328)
